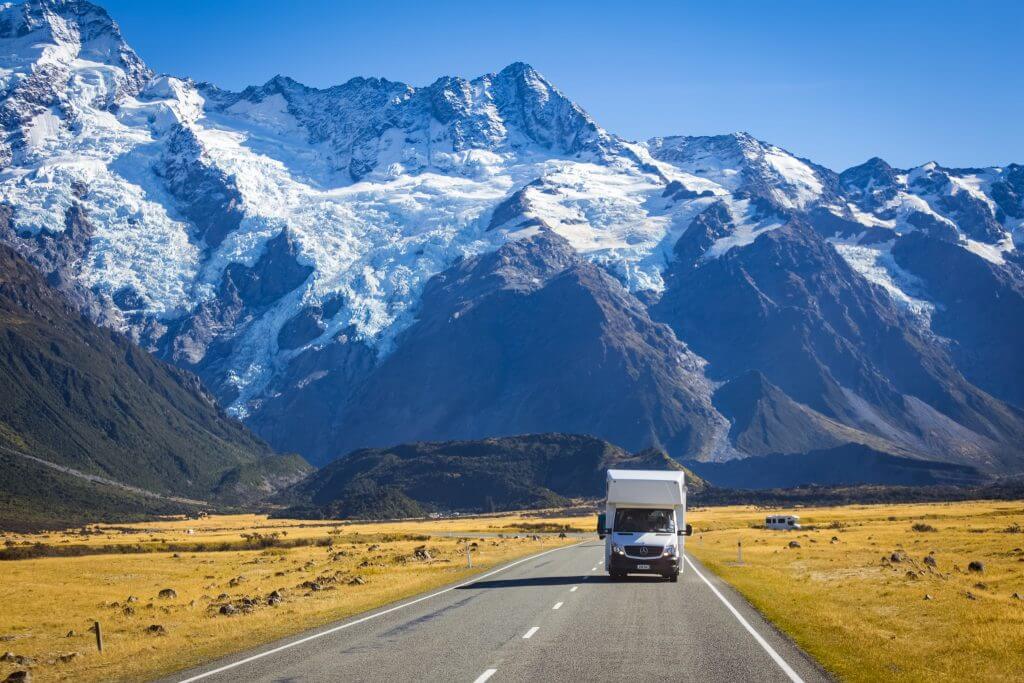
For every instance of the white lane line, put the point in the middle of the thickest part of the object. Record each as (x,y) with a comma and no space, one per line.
(335,629)
(529,634)
(783,664)
(485,675)
(573,589)
(558,605)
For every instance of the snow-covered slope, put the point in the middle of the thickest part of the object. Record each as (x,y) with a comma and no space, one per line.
(238,233)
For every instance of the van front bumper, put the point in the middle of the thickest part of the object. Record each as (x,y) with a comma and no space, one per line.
(657,565)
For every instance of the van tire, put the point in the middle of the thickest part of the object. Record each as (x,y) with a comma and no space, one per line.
(674,578)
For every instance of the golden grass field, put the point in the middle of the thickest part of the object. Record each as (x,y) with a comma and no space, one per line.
(48,604)
(866,618)
(863,617)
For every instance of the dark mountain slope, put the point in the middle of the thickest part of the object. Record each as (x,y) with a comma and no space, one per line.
(508,473)
(789,306)
(764,420)
(530,338)
(850,464)
(981,309)
(81,396)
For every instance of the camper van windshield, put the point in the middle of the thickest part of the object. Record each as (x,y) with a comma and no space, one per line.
(634,520)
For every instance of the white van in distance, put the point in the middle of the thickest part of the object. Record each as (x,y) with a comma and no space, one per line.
(644,523)
(784,522)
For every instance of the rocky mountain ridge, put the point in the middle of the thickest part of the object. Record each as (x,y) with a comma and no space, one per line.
(327,259)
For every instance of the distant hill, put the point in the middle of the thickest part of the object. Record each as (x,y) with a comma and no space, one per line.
(847,465)
(84,397)
(516,472)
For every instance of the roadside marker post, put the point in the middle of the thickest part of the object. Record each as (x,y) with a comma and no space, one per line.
(99,635)
(739,552)
(469,555)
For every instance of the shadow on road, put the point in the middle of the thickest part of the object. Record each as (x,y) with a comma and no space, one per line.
(589,579)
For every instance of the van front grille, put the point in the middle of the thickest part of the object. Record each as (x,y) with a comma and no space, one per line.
(643,550)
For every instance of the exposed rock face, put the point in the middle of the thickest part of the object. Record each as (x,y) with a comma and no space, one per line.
(764,420)
(981,310)
(204,340)
(790,307)
(277,272)
(206,194)
(520,340)
(317,385)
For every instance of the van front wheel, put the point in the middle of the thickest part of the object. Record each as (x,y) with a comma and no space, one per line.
(673,578)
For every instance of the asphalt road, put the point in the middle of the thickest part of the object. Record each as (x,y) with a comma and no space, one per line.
(553,617)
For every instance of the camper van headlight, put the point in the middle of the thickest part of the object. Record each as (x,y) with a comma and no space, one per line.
(670,551)
(617,549)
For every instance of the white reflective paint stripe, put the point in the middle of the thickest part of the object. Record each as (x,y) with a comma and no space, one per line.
(340,627)
(783,664)
(529,634)
(485,675)
(558,605)
(573,589)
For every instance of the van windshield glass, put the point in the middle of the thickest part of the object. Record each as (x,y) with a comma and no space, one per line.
(634,520)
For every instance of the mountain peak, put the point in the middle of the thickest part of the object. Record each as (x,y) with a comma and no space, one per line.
(85,28)
(518,69)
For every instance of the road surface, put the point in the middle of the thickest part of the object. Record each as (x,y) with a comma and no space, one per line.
(552,617)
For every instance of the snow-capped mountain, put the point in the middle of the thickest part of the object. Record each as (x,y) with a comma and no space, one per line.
(280,241)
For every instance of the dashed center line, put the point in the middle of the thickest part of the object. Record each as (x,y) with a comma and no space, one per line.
(485,675)
(558,605)
(529,634)
(573,589)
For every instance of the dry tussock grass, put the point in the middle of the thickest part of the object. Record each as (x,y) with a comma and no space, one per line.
(50,603)
(865,616)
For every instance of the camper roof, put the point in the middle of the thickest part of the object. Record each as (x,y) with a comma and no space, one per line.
(646,487)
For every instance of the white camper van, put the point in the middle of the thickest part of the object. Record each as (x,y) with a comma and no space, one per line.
(644,523)
(784,522)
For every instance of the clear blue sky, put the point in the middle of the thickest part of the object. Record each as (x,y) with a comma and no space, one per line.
(835,81)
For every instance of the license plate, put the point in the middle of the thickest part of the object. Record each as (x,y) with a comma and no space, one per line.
(643,566)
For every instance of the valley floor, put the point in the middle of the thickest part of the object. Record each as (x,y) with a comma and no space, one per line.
(856,592)
(322,571)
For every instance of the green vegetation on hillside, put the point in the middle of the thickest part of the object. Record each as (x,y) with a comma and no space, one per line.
(80,396)
(517,472)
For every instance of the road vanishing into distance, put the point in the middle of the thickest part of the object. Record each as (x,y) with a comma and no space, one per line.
(555,616)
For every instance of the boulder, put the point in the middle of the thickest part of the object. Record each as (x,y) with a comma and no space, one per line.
(168,594)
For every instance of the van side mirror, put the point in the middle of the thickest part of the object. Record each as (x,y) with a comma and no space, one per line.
(688,531)
(601,531)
